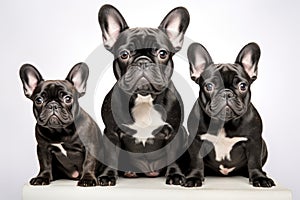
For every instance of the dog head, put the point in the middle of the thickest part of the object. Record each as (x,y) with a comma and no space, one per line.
(55,102)
(143,56)
(224,88)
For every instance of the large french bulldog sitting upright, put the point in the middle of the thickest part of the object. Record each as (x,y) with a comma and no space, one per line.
(143,113)
(227,127)
(69,140)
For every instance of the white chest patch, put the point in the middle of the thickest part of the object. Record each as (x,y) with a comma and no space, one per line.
(59,145)
(223,145)
(146,118)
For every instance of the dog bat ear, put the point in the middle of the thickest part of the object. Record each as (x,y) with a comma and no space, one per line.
(199,59)
(174,25)
(248,57)
(112,24)
(78,77)
(30,78)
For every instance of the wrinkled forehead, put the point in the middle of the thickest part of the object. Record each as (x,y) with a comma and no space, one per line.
(225,72)
(54,87)
(142,38)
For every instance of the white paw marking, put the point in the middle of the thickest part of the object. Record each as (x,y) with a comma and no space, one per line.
(223,145)
(59,145)
(146,119)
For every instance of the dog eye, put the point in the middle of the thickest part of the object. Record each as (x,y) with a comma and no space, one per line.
(162,54)
(124,54)
(39,100)
(209,87)
(67,99)
(243,86)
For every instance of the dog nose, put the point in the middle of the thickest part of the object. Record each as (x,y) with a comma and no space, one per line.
(53,105)
(227,94)
(143,62)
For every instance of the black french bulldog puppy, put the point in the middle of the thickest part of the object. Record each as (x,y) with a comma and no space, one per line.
(143,112)
(63,127)
(227,127)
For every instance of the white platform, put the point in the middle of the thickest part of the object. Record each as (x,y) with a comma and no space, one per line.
(236,188)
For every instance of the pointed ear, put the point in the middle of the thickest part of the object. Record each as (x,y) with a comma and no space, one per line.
(199,59)
(112,24)
(78,77)
(175,25)
(248,58)
(30,77)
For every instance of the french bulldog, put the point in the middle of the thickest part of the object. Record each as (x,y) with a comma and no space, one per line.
(68,139)
(227,127)
(143,112)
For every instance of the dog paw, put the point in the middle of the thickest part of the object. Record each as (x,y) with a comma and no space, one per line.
(130,174)
(39,181)
(152,174)
(87,182)
(193,182)
(107,180)
(175,179)
(262,182)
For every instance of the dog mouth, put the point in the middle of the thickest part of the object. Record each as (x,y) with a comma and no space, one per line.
(143,86)
(144,83)
(226,113)
(226,109)
(55,120)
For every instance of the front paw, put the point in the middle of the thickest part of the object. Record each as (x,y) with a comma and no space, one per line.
(40,181)
(87,182)
(107,180)
(175,179)
(193,182)
(262,182)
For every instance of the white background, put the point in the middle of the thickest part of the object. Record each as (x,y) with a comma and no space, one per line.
(54,35)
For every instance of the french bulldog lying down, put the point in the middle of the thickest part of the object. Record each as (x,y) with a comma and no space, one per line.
(68,139)
(227,128)
(143,112)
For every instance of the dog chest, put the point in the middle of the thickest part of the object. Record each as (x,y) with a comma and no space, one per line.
(222,144)
(146,119)
(222,147)
(61,148)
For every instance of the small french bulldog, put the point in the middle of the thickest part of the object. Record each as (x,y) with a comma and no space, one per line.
(227,128)
(143,112)
(63,127)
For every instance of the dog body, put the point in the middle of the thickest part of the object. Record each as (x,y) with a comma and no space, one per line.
(143,112)
(69,140)
(226,126)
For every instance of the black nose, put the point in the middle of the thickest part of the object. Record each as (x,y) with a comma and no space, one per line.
(227,94)
(143,62)
(53,105)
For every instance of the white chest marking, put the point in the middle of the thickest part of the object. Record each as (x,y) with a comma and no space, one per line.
(223,145)
(59,145)
(146,118)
